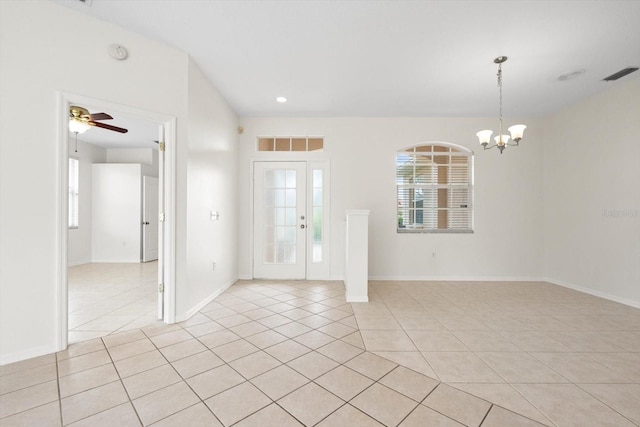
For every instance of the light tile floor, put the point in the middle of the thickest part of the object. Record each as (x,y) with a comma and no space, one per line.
(293,353)
(106,298)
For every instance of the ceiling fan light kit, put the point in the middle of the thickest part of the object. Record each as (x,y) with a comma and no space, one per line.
(80,120)
(78,126)
(516,131)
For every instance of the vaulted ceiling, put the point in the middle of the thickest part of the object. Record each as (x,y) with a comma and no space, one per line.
(391,58)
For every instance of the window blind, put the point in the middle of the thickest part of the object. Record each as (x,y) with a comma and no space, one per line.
(434,189)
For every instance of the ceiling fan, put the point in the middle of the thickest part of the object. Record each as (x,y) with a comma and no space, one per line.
(80,120)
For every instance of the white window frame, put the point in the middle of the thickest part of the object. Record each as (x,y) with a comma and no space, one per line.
(458,219)
(74,193)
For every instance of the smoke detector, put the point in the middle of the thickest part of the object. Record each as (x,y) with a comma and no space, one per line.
(118,52)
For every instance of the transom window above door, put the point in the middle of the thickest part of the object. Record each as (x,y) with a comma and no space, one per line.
(434,184)
(290,143)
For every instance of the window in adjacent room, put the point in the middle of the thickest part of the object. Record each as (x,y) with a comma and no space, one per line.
(74,184)
(434,189)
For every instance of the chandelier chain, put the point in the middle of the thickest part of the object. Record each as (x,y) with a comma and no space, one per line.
(500,98)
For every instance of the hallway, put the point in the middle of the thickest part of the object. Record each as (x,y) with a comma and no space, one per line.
(105,298)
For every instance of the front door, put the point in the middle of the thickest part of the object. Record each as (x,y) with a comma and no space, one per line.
(279,220)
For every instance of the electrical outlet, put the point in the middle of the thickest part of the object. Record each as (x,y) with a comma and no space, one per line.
(213,265)
(433,254)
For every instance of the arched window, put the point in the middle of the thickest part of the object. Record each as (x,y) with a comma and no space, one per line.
(435,189)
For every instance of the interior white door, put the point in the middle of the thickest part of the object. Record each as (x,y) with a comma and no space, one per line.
(149,218)
(279,220)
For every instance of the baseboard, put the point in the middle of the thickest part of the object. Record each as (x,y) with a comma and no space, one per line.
(5,359)
(460,278)
(205,301)
(614,298)
(245,277)
(77,263)
(118,261)
(364,298)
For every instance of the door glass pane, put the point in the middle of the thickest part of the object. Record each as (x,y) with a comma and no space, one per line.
(291,179)
(290,235)
(279,197)
(316,215)
(290,216)
(317,178)
(317,225)
(317,197)
(280,216)
(290,198)
(290,254)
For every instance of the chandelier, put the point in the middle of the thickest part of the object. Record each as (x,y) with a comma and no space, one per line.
(516,131)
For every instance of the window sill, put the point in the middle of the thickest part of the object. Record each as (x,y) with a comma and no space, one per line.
(428,231)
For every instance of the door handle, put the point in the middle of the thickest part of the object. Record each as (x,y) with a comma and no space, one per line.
(301,225)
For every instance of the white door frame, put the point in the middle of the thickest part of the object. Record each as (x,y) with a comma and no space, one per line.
(320,271)
(166,256)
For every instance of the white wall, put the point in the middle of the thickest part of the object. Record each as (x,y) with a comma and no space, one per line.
(79,243)
(46,48)
(506,244)
(211,186)
(146,157)
(117,210)
(592,194)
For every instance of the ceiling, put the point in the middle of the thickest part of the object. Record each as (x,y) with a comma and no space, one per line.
(391,58)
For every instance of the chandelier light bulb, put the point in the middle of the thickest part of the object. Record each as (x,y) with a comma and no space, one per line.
(501,141)
(516,132)
(484,136)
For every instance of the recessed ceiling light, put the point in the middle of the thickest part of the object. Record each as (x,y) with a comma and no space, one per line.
(281,99)
(571,75)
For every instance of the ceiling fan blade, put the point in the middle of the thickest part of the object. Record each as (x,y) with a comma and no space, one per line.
(100,116)
(108,127)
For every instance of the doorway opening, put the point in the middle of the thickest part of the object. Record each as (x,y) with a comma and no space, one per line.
(117,259)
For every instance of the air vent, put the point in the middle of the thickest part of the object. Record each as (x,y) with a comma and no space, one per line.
(620,74)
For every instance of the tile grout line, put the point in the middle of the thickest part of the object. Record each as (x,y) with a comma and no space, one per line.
(604,403)
(486,415)
(59,393)
(181,377)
